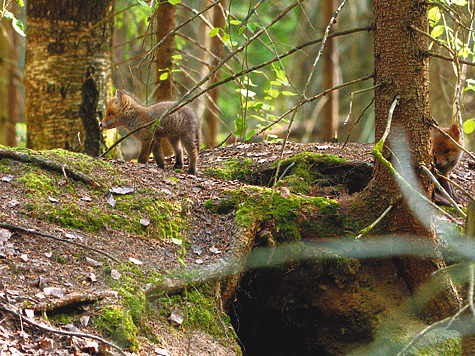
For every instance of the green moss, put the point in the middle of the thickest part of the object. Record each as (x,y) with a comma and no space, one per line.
(199,308)
(285,215)
(118,324)
(234,169)
(301,173)
(39,184)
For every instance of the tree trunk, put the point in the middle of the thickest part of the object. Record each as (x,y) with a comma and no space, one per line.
(164,19)
(330,108)
(401,69)
(216,48)
(67,43)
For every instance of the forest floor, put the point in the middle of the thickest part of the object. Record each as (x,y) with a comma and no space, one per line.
(69,287)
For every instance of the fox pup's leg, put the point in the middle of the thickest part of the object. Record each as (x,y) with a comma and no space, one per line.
(175,143)
(144,152)
(157,152)
(191,145)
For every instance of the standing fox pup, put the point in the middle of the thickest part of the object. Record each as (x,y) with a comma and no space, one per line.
(181,126)
(446,154)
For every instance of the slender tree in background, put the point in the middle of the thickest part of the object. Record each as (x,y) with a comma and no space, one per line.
(164,21)
(329,113)
(11,72)
(216,49)
(68,48)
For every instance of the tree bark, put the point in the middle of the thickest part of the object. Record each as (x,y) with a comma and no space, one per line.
(329,55)
(164,19)
(216,48)
(69,46)
(401,69)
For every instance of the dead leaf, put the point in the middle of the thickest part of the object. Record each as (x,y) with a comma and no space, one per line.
(53,200)
(93,263)
(122,190)
(48,254)
(197,250)
(284,192)
(199,261)
(214,250)
(24,257)
(53,292)
(111,201)
(135,261)
(5,234)
(30,313)
(84,320)
(145,222)
(176,317)
(13,203)
(115,274)
(86,198)
(92,277)
(161,352)
(8,178)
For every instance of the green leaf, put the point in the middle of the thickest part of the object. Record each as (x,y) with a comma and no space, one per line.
(434,15)
(18,26)
(214,32)
(20,3)
(181,260)
(287,93)
(246,93)
(437,31)
(141,2)
(8,15)
(174,2)
(177,56)
(469,126)
(460,2)
(164,76)
(235,22)
(250,134)
(177,241)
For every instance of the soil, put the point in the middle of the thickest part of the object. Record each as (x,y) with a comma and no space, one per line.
(39,271)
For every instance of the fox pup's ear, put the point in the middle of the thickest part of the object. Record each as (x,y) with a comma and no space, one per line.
(454,131)
(119,95)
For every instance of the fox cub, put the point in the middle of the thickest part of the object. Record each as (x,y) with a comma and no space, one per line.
(180,127)
(447,155)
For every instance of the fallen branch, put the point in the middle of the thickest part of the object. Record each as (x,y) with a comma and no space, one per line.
(73,298)
(19,228)
(61,332)
(47,164)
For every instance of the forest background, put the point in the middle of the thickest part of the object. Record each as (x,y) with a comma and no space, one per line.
(251,102)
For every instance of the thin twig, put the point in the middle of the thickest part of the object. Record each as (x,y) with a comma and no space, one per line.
(442,190)
(19,228)
(458,186)
(376,222)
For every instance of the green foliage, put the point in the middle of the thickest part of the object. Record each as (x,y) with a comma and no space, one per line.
(233,169)
(17,24)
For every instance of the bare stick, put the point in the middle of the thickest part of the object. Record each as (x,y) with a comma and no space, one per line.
(376,222)
(61,332)
(31,231)
(442,190)
(458,186)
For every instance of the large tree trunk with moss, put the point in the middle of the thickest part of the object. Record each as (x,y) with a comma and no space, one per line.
(68,52)
(401,70)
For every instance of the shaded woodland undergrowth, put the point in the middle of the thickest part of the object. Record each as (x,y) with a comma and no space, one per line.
(146,258)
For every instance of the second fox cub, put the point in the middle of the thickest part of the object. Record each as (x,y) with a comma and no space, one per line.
(181,126)
(446,154)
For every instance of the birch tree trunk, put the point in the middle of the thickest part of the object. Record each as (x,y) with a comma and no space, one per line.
(68,49)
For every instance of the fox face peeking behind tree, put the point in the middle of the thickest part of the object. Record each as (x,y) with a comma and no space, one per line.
(447,155)
(180,128)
